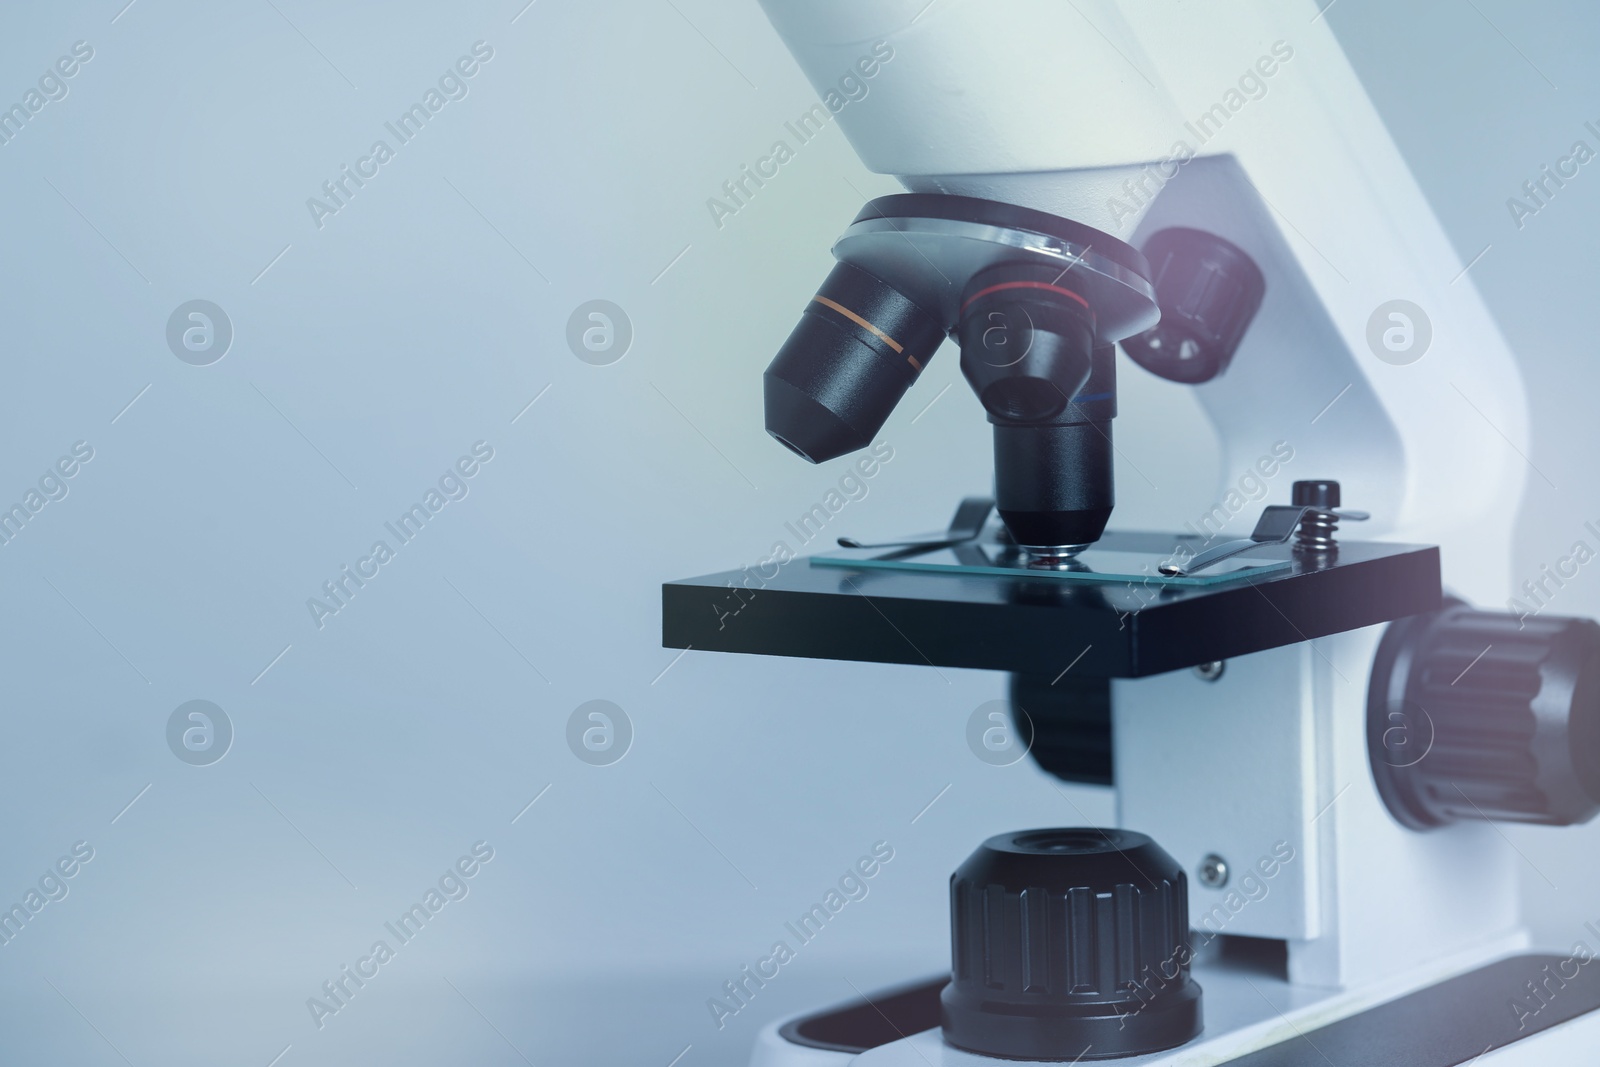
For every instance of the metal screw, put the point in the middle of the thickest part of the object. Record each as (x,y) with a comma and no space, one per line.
(1210,672)
(1214,871)
(1318,525)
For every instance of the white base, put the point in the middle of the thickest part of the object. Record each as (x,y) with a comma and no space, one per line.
(1245,1011)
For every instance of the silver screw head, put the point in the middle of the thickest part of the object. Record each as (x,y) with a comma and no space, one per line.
(1210,672)
(1214,871)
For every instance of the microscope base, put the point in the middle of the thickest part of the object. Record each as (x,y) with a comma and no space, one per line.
(1507,1012)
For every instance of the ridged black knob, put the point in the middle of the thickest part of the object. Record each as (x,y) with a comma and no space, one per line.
(1069,944)
(1487,715)
(1209,290)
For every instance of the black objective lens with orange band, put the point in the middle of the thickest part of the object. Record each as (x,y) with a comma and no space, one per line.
(859,346)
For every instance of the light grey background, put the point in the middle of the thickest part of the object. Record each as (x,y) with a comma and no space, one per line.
(424,317)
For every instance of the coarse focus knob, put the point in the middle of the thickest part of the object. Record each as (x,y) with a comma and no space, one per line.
(1069,944)
(1208,290)
(1486,715)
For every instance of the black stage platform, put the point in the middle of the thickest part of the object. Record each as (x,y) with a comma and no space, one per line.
(1040,625)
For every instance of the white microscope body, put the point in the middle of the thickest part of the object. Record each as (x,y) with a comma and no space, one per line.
(1245,119)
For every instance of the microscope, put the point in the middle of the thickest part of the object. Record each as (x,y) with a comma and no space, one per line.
(1311,736)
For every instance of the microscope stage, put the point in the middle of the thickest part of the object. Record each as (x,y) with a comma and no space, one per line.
(1039,623)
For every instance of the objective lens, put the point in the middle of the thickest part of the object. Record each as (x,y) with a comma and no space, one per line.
(1209,291)
(857,349)
(1029,350)
(1053,484)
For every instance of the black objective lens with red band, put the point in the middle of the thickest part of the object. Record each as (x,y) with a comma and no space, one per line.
(1029,351)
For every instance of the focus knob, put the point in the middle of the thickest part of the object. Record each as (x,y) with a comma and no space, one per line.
(1209,290)
(1484,715)
(1069,944)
